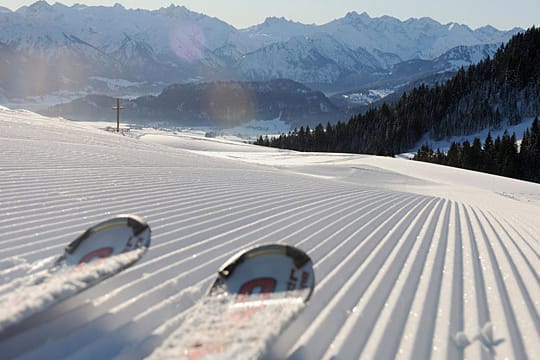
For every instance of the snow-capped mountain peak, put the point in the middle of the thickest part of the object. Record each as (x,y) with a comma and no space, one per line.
(174,44)
(275,29)
(274,20)
(40,5)
(353,16)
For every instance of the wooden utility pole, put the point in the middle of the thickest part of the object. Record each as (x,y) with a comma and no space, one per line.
(117,108)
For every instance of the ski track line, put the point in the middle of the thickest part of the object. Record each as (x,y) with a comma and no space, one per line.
(321,249)
(144,191)
(326,264)
(353,337)
(185,249)
(216,265)
(487,302)
(125,193)
(452,321)
(169,328)
(42,231)
(192,248)
(488,305)
(205,233)
(33,180)
(190,267)
(156,204)
(419,329)
(154,332)
(474,304)
(182,239)
(146,194)
(318,219)
(532,261)
(528,239)
(532,238)
(448,317)
(504,315)
(208,213)
(154,253)
(357,280)
(516,276)
(324,251)
(365,254)
(153,340)
(510,235)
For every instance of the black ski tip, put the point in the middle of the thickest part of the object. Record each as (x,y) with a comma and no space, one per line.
(300,258)
(135,222)
(297,258)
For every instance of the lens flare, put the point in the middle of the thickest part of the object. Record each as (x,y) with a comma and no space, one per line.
(229,103)
(187,41)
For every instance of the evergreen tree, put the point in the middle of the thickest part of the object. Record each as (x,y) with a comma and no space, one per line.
(475,156)
(488,155)
(530,152)
(507,156)
(453,157)
(500,157)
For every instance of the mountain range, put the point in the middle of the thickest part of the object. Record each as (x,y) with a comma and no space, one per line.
(67,51)
(221,104)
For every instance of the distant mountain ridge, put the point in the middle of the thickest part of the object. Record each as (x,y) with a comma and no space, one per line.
(221,104)
(422,38)
(55,48)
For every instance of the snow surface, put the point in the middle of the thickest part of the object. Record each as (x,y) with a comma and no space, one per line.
(234,339)
(46,288)
(369,97)
(412,260)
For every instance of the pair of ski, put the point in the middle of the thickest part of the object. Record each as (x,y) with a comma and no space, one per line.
(267,285)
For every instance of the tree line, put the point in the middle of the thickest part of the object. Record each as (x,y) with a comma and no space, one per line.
(499,90)
(502,89)
(502,156)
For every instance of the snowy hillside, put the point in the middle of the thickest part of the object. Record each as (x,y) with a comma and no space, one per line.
(464,56)
(411,260)
(317,59)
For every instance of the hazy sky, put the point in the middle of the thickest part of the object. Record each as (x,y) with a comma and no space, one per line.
(503,14)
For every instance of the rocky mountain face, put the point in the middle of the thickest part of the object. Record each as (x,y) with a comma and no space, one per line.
(55,49)
(222,104)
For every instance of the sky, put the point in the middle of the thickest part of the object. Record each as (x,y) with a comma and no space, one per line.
(503,14)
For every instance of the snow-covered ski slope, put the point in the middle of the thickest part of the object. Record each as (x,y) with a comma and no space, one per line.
(412,260)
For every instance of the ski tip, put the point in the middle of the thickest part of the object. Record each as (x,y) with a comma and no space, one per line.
(286,267)
(299,257)
(110,237)
(131,221)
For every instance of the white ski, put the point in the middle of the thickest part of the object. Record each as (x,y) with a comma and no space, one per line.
(99,253)
(254,298)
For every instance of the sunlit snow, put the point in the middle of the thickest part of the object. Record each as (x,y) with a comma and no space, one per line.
(412,260)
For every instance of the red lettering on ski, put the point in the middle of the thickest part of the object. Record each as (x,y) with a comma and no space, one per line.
(99,253)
